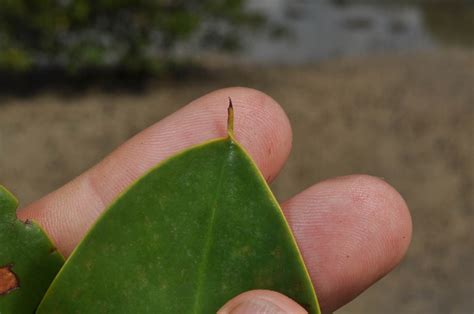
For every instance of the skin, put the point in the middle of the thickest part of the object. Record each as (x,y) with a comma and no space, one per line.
(351,230)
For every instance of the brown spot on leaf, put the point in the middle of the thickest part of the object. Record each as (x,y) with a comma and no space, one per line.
(8,280)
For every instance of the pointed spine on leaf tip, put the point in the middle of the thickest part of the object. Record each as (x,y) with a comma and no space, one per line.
(230,119)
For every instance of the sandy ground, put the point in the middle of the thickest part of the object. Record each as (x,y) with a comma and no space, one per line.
(407,118)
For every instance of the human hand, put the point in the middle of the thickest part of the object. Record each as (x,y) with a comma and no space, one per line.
(351,230)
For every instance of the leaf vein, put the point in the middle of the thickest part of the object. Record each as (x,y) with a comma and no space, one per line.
(207,245)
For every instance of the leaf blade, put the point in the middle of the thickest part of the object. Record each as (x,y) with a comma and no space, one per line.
(28,260)
(187,247)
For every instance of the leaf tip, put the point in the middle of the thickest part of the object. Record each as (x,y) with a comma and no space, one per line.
(230,119)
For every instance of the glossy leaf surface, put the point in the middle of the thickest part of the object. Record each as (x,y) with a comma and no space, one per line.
(28,260)
(188,236)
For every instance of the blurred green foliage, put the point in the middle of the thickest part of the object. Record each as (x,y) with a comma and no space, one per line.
(135,35)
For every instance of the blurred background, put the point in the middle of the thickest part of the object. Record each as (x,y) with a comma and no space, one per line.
(384,88)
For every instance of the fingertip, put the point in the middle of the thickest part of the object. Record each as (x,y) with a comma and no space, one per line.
(352,231)
(261,301)
(391,215)
(384,217)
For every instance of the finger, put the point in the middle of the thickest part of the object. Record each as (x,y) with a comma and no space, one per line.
(351,231)
(261,301)
(260,125)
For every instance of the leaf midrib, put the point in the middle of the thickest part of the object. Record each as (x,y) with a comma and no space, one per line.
(207,245)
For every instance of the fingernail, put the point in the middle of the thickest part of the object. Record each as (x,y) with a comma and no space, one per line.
(254,306)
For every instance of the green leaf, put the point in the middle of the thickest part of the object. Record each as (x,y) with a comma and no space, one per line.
(28,260)
(188,236)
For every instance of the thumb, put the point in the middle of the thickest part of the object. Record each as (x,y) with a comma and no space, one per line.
(261,301)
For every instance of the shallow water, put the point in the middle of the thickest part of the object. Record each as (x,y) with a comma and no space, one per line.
(319,30)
